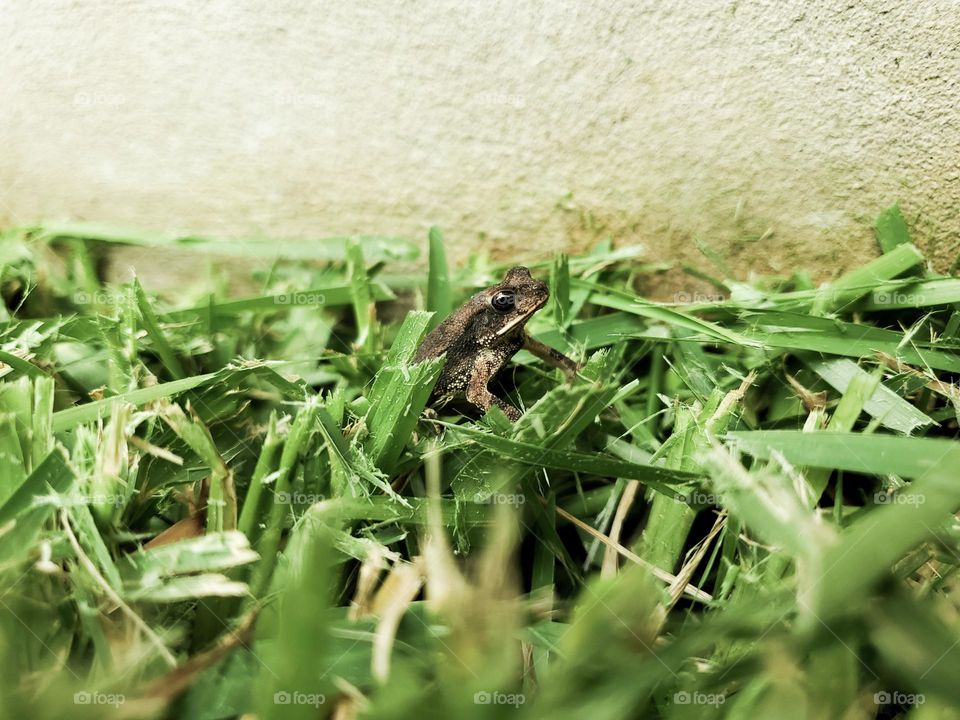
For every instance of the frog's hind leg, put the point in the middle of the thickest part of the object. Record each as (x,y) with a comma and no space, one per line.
(478,393)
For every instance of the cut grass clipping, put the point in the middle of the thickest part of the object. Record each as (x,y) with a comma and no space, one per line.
(221,507)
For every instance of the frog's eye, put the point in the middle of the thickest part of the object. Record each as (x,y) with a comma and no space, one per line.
(504,301)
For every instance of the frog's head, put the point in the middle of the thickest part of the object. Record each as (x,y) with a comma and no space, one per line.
(507,306)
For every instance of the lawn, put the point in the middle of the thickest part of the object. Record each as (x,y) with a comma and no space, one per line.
(211,506)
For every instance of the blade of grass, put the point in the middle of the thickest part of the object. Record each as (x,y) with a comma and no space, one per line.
(629,303)
(24,513)
(891,229)
(71,417)
(874,454)
(857,283)
(152,325)
(889,408)
(533,455)
(438,281)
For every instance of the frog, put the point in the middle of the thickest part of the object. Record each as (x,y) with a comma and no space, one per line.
(482,335)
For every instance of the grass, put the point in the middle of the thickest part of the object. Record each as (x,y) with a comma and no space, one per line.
(215,506)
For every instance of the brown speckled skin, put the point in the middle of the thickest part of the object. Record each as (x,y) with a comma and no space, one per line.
(479,340)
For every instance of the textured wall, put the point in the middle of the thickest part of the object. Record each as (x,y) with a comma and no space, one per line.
(773,131)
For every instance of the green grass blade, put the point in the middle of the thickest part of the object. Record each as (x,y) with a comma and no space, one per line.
(857,283)
(874,454)
(208,553)
(160,343)
(402,392)
(24,513)
(641,307)
(868,549)
(891,229)
(333,296)
(439,300)
(71,417)
(528,453)
(892,410)
(21,365)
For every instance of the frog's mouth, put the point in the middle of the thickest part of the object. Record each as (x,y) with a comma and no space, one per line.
(520,319)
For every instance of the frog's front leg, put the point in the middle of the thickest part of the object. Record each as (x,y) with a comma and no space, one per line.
(478,393)
(552,357)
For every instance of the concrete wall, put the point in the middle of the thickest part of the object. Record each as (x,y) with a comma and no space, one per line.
(772,130)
